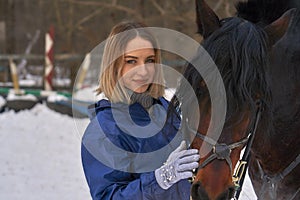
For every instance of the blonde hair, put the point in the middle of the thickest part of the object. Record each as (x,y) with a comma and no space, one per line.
(113,62)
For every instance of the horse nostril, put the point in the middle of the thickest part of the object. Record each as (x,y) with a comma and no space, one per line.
(194,191)
(198,192)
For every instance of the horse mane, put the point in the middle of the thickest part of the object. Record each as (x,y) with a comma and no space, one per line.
(239,50)
(264,11)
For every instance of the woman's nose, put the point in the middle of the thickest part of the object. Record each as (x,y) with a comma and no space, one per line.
(142,69)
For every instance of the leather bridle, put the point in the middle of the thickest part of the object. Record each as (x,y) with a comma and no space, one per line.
(222,151)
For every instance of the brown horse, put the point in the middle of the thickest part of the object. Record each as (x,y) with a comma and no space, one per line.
(260,68)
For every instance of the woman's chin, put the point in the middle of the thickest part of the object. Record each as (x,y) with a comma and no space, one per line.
(141,89)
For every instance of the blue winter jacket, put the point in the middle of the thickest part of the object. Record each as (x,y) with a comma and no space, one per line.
(122,177)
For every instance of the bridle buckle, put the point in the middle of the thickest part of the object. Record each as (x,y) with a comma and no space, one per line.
(222,151)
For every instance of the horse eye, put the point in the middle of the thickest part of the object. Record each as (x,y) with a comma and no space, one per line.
(225,20)
(202,84)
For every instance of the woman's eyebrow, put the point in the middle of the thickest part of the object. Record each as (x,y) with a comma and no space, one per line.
(129,56)
(151,56)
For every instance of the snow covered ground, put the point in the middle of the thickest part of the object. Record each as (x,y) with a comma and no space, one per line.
(40,157)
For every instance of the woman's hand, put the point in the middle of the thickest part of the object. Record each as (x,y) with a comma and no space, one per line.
(179,165)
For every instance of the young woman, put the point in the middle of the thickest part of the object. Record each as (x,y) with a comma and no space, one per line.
(123,147)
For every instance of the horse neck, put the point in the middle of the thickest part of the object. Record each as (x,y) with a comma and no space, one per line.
(281,136)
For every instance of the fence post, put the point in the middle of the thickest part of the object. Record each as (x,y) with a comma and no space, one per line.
(49,58)
(14,76)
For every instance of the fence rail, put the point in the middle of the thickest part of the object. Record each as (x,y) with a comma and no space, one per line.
(41,57)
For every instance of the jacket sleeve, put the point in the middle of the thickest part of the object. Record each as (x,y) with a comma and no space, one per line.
(106,183)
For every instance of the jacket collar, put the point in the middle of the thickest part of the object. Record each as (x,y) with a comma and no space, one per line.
(104,104)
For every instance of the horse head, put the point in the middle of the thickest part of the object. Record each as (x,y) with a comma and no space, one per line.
(239,49)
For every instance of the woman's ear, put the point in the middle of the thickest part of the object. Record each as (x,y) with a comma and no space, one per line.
(278,28)
(207,20)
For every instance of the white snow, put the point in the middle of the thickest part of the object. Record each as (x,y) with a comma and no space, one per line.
(247,190)
(169,93)
(27,82)
(86,94)
(11,96)
(56,97)
(40,157)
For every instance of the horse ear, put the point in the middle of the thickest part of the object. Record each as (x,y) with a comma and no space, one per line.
(278,28)
(207,20)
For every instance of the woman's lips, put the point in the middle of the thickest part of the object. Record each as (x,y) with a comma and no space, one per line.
(141,82)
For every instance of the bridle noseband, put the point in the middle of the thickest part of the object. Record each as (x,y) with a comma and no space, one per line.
(222,151)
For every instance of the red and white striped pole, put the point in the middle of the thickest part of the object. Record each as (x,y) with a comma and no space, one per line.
(49,59)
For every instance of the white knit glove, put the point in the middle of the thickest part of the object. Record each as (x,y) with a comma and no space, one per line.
(179,165)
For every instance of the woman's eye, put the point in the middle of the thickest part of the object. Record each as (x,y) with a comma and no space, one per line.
(150,60)
(130,61)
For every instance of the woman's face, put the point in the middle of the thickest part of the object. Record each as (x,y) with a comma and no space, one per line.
(139,65)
